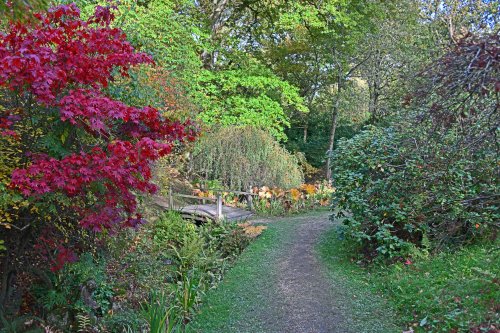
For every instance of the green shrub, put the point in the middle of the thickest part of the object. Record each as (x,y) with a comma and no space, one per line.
(234,242)
(80,288)
(171,229)
(18,324)
(227,239)
(404,193)
(432,178)
(127,320)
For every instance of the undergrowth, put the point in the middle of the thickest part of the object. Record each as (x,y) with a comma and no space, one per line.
(450,292)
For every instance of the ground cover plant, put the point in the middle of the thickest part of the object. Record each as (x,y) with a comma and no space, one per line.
(276,201)
(450,292)
(147,280)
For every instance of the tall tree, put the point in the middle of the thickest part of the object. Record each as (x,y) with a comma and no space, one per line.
(336,27)
(315,46)
(450,20)
(397,49)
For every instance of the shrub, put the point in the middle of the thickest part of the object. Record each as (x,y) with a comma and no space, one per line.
(79,288)
(235,241)
(124,321)
(73,159)
(240,157)
(432,178)
(171,229)
(400,196)
(76,148)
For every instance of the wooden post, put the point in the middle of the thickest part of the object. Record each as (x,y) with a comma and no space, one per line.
(250,199)
(218,213)
(203,187)
(170,199)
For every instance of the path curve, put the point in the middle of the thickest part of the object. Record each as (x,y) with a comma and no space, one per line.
(281,285)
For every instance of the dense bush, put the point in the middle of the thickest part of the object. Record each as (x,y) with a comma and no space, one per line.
(240,157)
(430,180)
(79,289)
(74,159)
(171,229)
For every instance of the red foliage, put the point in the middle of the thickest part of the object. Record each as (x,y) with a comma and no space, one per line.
(63,62)
(62,50)
(54,253)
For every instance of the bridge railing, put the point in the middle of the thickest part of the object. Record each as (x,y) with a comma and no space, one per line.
(218,199)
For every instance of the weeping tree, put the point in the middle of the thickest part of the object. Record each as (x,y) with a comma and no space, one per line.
(240,157)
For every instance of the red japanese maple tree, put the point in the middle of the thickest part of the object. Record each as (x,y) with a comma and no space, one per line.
(81,144)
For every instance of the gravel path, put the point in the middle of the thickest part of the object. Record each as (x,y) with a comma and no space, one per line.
(305,300)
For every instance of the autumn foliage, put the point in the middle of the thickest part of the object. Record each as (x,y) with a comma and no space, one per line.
(75,142)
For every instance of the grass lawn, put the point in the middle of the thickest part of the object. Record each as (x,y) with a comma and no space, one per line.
(451,292)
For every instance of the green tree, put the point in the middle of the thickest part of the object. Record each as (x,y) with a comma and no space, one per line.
(335,28)
(249,94)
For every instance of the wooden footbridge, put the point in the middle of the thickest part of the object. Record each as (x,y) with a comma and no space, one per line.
(203,211)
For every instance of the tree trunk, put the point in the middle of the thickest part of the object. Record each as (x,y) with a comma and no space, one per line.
(333,128)
(217,23)
(371,106)
(374,86)
(331,143)
(306,127)
(376,95)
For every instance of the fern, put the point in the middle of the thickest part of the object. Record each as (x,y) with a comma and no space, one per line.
(83,322)
(16,325)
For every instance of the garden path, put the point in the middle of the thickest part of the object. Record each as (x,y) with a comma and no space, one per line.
(281,285)
(305,300)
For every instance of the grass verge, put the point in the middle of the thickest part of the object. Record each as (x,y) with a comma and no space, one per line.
(230,307)
(450,292)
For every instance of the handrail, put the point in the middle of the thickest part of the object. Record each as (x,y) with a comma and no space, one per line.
(193,197)
(218,199)
(235,192)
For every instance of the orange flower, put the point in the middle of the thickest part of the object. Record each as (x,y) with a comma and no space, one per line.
(309,188)
(295,194)
(264,192)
